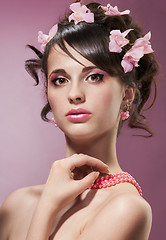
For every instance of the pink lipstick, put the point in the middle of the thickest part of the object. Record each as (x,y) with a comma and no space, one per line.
(78,115)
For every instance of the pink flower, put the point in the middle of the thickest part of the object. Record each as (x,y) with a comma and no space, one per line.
(131,58)
(113,11)
(118,40)
(43,39)
(80,13)
(145,43)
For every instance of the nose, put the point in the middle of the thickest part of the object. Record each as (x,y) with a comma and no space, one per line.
(76,93)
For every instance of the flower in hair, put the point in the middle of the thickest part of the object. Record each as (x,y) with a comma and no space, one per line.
(118,40)
(80,13)
(131,58)
(43,39)
(113,11)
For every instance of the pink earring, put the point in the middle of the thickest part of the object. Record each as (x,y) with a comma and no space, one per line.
(124,115)
(125,112)
(53,121)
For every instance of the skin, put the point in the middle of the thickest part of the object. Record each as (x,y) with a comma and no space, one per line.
(75,212)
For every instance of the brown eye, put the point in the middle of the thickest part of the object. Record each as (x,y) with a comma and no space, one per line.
(59,81)
(95,77)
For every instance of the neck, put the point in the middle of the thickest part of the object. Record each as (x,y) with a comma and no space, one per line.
(103,148)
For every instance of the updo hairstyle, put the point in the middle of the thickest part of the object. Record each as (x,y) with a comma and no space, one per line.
(91,40)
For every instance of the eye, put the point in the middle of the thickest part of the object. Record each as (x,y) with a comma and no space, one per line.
(59,81)
(96,77)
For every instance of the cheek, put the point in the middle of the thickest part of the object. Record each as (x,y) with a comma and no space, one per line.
(109,102)
(53,100)
(106,99)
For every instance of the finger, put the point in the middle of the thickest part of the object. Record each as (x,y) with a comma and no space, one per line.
(87,181)
(81,159)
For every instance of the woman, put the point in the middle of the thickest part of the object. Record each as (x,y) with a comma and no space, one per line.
(98,70)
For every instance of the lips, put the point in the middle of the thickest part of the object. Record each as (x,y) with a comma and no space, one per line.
(78,115)
(77,111)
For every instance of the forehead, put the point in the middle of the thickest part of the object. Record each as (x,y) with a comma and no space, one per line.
(59,59)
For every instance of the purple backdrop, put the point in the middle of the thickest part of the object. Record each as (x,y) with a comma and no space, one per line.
(29,145)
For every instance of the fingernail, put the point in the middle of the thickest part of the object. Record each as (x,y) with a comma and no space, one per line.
(97,173)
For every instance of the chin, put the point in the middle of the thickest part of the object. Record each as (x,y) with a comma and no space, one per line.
(82,134)
(79,136)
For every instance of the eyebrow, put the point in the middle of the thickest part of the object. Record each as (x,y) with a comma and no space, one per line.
(86,69)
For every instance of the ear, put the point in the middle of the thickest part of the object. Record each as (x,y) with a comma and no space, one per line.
(129,95)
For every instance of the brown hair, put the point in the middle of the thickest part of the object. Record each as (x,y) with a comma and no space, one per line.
(91,40)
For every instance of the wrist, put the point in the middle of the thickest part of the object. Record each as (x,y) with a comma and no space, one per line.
(48,205)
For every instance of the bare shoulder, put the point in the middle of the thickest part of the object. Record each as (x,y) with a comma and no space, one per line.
(18,204)
(131,204)
(135,215)
(127,216)
(22,198)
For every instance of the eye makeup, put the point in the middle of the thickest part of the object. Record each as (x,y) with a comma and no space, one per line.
(59,77)
(59,81)
(95,77)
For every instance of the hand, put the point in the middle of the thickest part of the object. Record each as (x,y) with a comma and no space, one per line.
(70,176)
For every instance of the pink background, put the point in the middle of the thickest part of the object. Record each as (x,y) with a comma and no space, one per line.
(28,146)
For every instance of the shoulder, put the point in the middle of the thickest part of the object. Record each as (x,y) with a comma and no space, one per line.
(22,197)
(131,214)
(134,207)
(131,203)
(127,216)
(134,213)
(18,204)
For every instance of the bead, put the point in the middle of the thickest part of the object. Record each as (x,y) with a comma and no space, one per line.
(114,179)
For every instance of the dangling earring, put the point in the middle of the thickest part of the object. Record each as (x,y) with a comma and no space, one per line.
(53,121)
(125,112)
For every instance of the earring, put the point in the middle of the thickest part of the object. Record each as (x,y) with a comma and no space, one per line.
(53,121)
(125,112)
(125,115)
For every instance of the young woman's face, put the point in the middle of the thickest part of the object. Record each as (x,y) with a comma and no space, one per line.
(84,99)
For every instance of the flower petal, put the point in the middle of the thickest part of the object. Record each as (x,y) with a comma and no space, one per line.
(148,36)
(113,11)
(71,17)
(75,7)
(135,53)
(53,30)
(124,34)
(88,17)
(42,38)
(114,47)
(127,66)
(126,12)
(148,49)
(118,40)
(80,13)
(131,58)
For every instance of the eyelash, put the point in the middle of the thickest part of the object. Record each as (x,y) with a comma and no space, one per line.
(94,76)
(55,80)
(98,75)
